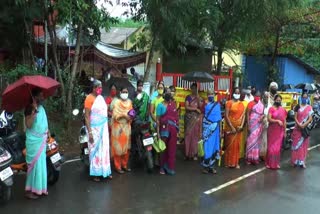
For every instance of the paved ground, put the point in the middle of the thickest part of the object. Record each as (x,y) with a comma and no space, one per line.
(289,190)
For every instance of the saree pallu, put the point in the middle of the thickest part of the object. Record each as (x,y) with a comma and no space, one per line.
(244,133)
(169,134)
(192,128)
(99,149)
(300,144)
(36,141)
(255,137)
(232,141)
(121,133)
(141,106)
(275,137)
(211,135)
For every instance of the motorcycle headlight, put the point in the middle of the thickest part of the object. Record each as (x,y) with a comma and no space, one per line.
(8,115)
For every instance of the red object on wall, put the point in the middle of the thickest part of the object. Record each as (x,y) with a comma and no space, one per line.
(158,71)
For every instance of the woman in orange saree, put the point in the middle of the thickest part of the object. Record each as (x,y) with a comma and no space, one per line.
(121,131)
(235,116)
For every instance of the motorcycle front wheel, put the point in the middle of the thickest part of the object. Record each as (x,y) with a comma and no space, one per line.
(5,194)
(52,174)
(149,161)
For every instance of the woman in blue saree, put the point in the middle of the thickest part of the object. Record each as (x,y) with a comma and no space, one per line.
(211,134)
(36,141)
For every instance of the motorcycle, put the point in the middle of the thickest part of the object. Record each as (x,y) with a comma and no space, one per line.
(289,129)
(6,174)
(14,142)
(141,146)
(83,140)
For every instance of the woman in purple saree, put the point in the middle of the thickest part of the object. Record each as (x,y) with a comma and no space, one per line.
(192,123)
(276,132)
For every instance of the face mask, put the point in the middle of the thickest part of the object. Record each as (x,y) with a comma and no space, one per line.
(113,93)
(273,91)
(277,104)
(256,99)
(99,91)
(211,99)
(172,94)
(124,96)
(304,101)
(160,91)
(167,97)
(236,96)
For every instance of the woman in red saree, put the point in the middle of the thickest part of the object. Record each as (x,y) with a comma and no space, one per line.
(276,132)
(235,116)
(255,118)
(167,118)
(300,143)
(192,123)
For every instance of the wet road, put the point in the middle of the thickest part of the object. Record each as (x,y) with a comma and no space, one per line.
(289,190)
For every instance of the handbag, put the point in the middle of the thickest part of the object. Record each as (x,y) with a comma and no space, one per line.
(159,145)
(200,149)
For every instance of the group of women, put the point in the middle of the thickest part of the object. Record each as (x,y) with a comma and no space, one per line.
(263,117)
(97,112)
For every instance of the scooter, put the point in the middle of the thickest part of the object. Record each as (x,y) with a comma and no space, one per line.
(6,174)
(83,140)
(14,142)
(289,129)
(141,145)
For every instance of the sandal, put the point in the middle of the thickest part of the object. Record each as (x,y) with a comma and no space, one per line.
(213,171)
(205,171)
(96,179)
(127,169)
(31,195)
(238,166)
(120,171)
(162,172)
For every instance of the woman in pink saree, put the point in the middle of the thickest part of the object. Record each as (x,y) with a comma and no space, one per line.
(276,132)
(255,121)
(192,123)
(300,143)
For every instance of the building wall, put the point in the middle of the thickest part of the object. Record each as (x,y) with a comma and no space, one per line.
(290,72)
(295,73)
(255,72)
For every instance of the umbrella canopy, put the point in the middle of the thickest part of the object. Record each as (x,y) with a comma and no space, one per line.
(287,86)
(306,86)
(198,76)
(18,94)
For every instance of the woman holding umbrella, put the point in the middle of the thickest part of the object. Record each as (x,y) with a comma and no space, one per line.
(36,140)
(192,123)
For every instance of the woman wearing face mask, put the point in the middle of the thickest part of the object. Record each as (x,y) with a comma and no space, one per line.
(211,134)
(167,128)
(263,145)
(300,143)
(96,118)
(141,103)
(235,117)
(276,132)
(255,116)
(121,131)
(154,104)
(192,123)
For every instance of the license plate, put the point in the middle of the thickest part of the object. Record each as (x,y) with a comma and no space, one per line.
(6,173)
(86,151)
(55,158)
(147,141)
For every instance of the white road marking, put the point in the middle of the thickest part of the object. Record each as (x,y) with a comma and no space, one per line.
(210,191)
(72,160)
